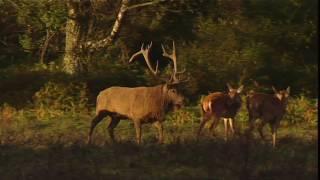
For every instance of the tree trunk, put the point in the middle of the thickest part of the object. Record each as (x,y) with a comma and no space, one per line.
(79,13)
(114,32)
(45,45)
(71,61)
(76,32)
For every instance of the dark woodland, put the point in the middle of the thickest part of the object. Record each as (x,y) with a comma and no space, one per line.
(145,76)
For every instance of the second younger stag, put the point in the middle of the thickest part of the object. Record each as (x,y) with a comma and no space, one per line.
(270,108)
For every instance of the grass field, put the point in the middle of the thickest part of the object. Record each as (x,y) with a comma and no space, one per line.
(54,148)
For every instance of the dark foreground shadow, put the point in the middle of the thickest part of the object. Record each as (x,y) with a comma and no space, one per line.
(206,159)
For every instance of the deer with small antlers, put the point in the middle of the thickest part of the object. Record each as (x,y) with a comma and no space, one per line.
(140,104)
(219,105)
(269,108)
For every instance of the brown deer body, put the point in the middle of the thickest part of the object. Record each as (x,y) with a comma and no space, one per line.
(219,105)
(269,108)
(139,104)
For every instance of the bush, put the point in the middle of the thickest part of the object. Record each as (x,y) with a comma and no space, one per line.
(301,110)
(59,114)
(56,98)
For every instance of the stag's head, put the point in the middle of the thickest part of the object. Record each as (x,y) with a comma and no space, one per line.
(174,98)
(282,95)
(234,93)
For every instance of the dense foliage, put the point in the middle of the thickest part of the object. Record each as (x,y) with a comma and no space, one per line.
(45,111)
(272,42)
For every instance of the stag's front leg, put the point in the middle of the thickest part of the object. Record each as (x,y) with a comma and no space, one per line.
(225,128)
(159,127)
(274,128)
(137,125)
(231,123)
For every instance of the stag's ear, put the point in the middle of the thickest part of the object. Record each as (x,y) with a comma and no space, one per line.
(288,90)
(240,89)
(229,87)
(274,90)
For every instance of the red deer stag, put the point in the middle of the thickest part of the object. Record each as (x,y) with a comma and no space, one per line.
(221,105)
(269,108)
(140,104)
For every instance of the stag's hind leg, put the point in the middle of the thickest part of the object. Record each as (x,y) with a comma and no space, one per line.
(260,129)
(98,118)
(213,126)
(274,127)
(251,124)
(113,123)
(204,120)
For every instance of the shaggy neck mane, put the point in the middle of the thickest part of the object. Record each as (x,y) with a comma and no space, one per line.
(160,103)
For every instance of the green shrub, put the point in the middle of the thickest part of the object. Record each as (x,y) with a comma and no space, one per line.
(7,117)
(301,110)
(54,99)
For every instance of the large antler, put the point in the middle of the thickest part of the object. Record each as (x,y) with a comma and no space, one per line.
(145,53)
(173,57)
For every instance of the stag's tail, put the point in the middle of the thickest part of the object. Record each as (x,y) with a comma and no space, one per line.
(98,104)
(201,107)
(205,106)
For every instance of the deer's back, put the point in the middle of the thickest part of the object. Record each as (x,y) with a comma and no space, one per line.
(135,103)
(220,105)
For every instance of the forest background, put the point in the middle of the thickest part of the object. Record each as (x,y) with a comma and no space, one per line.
(55,57)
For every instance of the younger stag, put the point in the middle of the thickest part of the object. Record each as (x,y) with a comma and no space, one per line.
(269,108)
(219,105)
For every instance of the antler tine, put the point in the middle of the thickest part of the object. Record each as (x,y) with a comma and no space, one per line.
(142,47)
(173,57)
(229,86)
(175,80)
(137,53)
(145,53)
(149,46)
(133,56)
(274,89)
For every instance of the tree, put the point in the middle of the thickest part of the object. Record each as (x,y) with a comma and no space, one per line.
(79,22)
(34,23)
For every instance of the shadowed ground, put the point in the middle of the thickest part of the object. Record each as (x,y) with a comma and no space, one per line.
(179,158)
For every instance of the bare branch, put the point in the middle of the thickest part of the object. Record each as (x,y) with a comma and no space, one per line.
(144,4)
(107,41)
(115,29)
